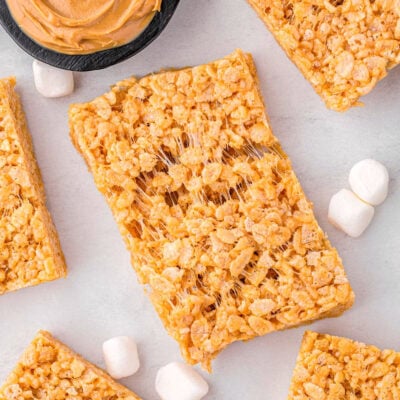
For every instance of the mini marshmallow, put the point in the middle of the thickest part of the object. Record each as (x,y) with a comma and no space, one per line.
(121,357)
(178,381)
(369,180)
(51,81)
(350,214)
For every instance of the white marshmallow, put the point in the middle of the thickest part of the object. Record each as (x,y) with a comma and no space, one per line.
(369,180)
(121,357)
(51,81)
(178,381)
(350,214)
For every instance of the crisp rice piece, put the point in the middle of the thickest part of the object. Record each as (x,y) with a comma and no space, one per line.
(49,370)
(30,251)
(215,220)
(335,368)
(343,47)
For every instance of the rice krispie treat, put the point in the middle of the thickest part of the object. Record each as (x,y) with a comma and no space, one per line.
(218,227)
(49,370)
(335,368)
(30,251)
(343,47)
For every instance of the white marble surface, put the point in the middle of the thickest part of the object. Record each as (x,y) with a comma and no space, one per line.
(101,297)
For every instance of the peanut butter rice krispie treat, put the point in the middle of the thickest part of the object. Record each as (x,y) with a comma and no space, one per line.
(343,47)
(218,227)
(49,370)
(335,368)
(30,251)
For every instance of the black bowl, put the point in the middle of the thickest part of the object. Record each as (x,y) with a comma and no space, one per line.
(88,62)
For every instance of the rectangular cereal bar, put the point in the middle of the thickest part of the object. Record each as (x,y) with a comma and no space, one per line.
(30,251)
(49,370)
(210,209)
(335,368)
(343,47)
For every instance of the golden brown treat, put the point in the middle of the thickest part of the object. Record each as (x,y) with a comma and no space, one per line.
(335,368)
(49,370)
(30,251)
(343,47)
(217,224)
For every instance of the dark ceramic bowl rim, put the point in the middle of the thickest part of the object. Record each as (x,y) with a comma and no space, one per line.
(93,61)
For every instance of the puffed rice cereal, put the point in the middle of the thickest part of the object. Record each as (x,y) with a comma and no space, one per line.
(343,47)
(30,251)
(335,368)
(218,227)
(49,370)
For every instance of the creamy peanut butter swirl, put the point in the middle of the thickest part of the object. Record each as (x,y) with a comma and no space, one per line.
(83,26)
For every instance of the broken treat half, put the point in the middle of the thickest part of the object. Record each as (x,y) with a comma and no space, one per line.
(30,251)
(333,368)
(343,47)
(49,370)
(211,211)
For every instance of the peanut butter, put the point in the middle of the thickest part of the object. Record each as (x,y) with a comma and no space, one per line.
(83,26)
